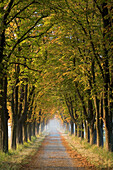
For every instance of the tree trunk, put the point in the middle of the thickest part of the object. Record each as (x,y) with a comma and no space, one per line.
(24,116)
(82,131)
(39,119)
(20,134)
(98,130)
(25,132)
(14,130)
(75,129)
(95,135)
(79,130)
(87,134)
(38,124)
(42,127)
(15,108)
(20,120)
(3,24)
(111,133)
(111,107)
(14,124)
(72,127)
(106,35)
(34,127)
(30,130)
(101,120)
(1,142)
(106,122)
(91,134)
(5,118)
(91,117)
(67,126)
(2,44)
(1,111)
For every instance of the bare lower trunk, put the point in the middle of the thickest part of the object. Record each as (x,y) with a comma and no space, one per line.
(107,123)
(67,126)
(78,131)
(34,127)
(91,134)
(42,126)
(75,129)
(98,130)
(25,132)
(14,130)
(5,116)
(20,134)
(1,113)
(107,137)
(30,130)
(72,128)
(106,66)
(5,137)
(101,120)
(111,133)
(87,134)
(82,131)
(38,124)
(14,125)
(1,142)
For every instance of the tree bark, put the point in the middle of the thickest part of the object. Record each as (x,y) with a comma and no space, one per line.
(91,128)
(67,126)
(38,124)
(1,114)
(6,117)
(2,41)
(25,132)
(76,129)
(72,127)
(98,130)
(101,120)
(34,128)
(42,126)
(82,131)
(111,106)
(106,28)
(1,141)
(20,133)
(15,109)
(87,134)
(14,124)
(79,130)
(20,121)
(3,24)
(30,130)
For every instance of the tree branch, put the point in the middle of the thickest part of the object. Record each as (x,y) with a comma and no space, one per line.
(95,1)
(20,12)
(8,11)
(25,65)
(35,36)
(22,37)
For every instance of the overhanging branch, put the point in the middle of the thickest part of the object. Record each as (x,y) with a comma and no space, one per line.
(23,36)
(25,65)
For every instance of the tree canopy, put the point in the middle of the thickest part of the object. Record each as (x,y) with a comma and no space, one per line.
(56,58)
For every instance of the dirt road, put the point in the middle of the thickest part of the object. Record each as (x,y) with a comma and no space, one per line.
(55,154)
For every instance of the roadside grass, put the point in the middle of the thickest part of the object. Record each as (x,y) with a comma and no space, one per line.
(14,158)
(98,156)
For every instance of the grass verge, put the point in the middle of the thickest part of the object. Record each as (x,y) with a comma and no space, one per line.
(14,158)
(95,155)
